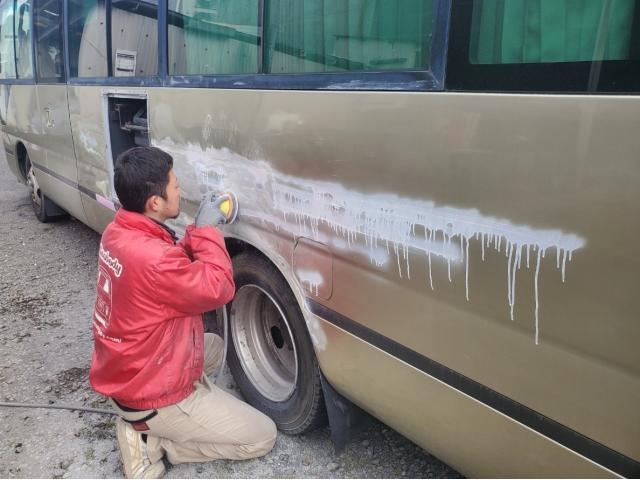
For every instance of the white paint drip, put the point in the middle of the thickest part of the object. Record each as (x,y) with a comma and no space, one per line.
(536,293)
(311,278)
(466,272)
(364,220)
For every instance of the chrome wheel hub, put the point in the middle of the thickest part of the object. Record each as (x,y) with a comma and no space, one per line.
(35,188)
(264,343)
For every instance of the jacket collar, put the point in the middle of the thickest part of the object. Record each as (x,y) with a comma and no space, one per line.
(143,223)
(170,231)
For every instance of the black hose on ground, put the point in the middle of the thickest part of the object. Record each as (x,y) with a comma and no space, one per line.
(57,407)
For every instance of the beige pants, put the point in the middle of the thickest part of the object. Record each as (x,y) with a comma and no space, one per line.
(209,424)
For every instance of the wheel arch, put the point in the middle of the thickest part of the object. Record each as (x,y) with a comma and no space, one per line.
(21,157)
(236,246)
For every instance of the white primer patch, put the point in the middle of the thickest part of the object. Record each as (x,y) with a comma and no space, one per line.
(318,337)
(377,225)
(89,143)
(311,278)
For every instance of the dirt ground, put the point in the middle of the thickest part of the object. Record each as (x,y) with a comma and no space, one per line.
(46,300)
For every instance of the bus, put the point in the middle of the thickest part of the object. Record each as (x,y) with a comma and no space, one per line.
(439,200)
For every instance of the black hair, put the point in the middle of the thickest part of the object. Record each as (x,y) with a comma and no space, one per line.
(140,173)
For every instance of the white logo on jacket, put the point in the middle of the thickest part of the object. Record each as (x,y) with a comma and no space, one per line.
(112,262)
(102,310)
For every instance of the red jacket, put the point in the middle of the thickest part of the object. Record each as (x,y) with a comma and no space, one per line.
(147,322)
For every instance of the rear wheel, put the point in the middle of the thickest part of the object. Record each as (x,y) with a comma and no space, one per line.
(270,353)
(44,208)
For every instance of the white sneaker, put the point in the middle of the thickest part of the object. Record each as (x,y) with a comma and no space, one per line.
(133,453)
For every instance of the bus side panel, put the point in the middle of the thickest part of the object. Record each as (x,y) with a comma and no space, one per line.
(521,271)
(24,126)
(9,143)
(57,142)
(473,439)
(86,111)
(201,168)
(444,212)
(23,123)
(8,140)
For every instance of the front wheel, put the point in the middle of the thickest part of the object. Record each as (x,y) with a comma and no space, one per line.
(44,208)
(270,352)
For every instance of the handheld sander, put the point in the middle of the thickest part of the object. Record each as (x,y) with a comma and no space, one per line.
(228,206)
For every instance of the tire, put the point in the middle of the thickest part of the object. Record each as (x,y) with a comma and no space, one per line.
(270,353)
(45,209)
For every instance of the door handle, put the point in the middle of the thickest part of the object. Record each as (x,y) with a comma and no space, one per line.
(49,117)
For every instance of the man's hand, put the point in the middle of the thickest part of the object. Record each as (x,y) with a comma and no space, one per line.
(209,212)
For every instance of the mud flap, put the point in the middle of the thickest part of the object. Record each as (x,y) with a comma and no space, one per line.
(51,209)
(345,418)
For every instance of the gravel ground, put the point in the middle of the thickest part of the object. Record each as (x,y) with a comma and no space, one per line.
(46,300)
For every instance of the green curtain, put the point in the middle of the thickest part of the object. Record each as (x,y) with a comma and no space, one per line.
(347,35)
(547,31)
(219,37)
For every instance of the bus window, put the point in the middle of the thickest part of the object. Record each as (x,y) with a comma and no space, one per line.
(48,26)
(334,35)
(7,52)
(134,38)
(87,38)
(213,37)
(22,19)
(545,45)
(550,31)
